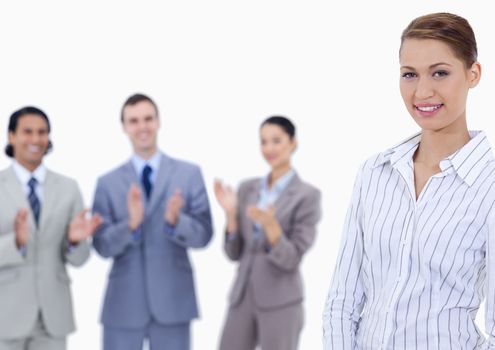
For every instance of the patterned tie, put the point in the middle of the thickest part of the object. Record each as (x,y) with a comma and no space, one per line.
(33,199)
(146,180)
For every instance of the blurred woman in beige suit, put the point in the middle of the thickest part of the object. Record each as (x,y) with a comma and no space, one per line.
(271,223)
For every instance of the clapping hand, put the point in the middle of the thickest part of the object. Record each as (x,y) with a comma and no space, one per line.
(83,226)
(227,198)
(266,218)
(135,207)
(21,228)
(174,206)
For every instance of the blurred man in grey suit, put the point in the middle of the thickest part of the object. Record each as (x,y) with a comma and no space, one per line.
(42,227)
(154,208)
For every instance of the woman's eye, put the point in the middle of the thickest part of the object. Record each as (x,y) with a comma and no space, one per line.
(408,75)
(440,73)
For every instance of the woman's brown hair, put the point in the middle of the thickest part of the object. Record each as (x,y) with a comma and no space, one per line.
(448,28)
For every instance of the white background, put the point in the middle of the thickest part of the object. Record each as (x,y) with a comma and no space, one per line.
(217,69)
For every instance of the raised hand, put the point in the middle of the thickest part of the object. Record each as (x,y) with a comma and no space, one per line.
(226,197)
(174,206)
(81,227)
(267,219)
(135,207)
(21,228)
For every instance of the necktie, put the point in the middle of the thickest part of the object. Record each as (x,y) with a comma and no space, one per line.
(146,180)
(34,201)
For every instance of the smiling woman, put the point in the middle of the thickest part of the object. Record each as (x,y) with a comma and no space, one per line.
(271,223)
(417,250)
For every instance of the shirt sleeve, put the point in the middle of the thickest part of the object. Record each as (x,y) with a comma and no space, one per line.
(287,253)
(346,296)
(490,284)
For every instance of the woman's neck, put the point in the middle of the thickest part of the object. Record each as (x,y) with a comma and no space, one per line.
(436,145)
(277,173)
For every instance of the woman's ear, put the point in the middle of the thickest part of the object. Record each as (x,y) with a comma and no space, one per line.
(474,74)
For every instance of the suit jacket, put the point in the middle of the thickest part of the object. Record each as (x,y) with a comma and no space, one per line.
(151,276)
(37,280)
(273,272)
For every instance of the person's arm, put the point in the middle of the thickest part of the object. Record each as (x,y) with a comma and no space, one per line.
(10,254)
(233,241)
(233,244)
(113,237)
(75,254)
(490,283)
(346,297)
(287,252)
(192,227)
(13,245)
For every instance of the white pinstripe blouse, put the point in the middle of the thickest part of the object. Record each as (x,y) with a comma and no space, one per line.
(411,274)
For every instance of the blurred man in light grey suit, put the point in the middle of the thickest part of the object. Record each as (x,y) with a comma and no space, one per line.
(154,208)
(42,227)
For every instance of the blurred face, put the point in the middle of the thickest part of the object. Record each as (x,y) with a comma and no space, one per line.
(141,125)
(276,145)
(434,84)
(30,140)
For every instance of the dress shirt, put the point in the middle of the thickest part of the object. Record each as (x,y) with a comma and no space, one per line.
(139,163)
(268,196)
(154,162)
(411,273)
(25,175)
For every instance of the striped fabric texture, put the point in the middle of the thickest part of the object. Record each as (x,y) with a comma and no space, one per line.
(411,273)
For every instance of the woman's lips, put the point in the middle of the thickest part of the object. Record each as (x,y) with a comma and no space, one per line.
(428,110)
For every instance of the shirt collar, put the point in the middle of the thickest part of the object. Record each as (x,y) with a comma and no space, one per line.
(280,184)
(25,175)
(467,162)
(470,160)
(139,163)
(399,152)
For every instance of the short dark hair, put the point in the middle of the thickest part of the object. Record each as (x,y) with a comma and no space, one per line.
(283,122)
(134,99)
(14,121)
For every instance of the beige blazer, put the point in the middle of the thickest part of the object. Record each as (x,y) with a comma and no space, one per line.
(274,273)
(37,280)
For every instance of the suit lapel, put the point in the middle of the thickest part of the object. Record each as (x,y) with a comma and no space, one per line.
(18,197)
(129,174)
(162,181)
(286,196)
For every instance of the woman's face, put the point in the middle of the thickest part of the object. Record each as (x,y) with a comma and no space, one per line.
(276,145)
(434,84)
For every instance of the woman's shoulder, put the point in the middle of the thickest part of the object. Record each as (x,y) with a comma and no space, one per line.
(249,184)
(308,188)
(373,162)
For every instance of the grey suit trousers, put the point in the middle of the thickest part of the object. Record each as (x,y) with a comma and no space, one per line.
(160,337)
(39,339)
(248,326)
